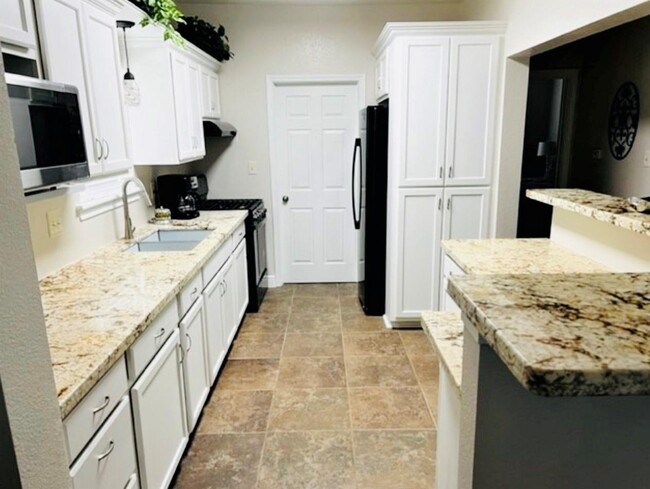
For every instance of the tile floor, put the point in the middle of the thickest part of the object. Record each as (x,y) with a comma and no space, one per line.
(316,395)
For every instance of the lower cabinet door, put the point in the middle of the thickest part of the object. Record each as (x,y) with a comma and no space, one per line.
(195,372)
(214,325)
(228,301)
(241,278)
(467,213)
(108,462)
(159,416)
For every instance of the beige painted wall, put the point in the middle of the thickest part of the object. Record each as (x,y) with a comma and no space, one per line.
(281,40)
(25,365)
(533,27)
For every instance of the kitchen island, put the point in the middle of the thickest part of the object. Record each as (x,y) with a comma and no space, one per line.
(556,367)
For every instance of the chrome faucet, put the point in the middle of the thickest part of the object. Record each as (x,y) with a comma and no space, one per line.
(128,225)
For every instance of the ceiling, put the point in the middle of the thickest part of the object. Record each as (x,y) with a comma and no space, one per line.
(321,2)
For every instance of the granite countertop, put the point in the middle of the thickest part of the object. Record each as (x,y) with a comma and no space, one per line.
(601,207)
(514,256)
(97,307)
(445,330)
(565,335)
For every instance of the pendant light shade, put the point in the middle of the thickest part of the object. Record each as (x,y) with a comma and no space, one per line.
(131,88)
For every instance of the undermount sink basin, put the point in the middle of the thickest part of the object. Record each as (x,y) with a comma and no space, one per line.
(170,240)
(165,235)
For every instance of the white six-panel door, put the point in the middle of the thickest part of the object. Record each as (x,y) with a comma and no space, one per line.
(315,128)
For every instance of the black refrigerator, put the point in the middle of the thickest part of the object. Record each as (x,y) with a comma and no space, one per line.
(369,182)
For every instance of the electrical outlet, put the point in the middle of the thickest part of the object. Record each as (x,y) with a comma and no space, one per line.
(596,154)
(646,159)
(252,167)
(54,222)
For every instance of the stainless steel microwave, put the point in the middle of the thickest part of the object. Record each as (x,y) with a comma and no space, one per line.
(48,132)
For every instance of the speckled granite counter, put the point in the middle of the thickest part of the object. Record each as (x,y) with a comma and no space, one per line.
(565,335)
(601,207)
(515,256)
(96,308)
(445,330)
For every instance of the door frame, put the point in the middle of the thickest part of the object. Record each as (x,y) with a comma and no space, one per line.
(274,82)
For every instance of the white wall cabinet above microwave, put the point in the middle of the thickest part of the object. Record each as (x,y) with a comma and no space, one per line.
(80,48)
(17,29)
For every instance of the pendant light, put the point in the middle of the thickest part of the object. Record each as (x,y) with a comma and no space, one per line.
(131,89)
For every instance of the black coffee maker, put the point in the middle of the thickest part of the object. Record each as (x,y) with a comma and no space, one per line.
(179,194)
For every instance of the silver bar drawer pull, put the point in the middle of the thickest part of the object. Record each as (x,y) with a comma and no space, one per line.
(111,447)
(162,332)
(106,402)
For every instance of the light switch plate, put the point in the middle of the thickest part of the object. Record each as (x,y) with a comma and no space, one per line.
(54,222)
(252,167)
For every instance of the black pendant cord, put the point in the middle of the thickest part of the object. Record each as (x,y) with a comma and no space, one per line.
(128,75)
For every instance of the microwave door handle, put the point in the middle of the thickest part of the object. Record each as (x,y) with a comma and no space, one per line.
(357,221)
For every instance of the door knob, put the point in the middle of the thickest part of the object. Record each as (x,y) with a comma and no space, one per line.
(285,199)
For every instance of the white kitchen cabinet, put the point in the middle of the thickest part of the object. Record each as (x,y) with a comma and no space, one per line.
(159,417)
(381,76)
(419,234)
(17,29)
(214,325)
(230,319)
(449,269)
(79,47)
(187,107)
(241,280)
(109,461)
(466,212)
(210,101)
(471,121)
(195,368)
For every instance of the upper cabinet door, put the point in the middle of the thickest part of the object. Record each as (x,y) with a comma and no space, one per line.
(472,99)
(196,119)
(210,104)
(425,75)
(106,87)
(183,109)
(17,23)
(466,213)
(61,30)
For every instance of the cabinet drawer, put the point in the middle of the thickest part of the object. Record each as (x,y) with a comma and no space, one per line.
(449,267)
(82,423)
(109,461)
(217,261)
(146,346)
(189,294)
(238,235)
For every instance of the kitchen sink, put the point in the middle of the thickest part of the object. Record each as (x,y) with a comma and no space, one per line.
(165,235)
(170,240)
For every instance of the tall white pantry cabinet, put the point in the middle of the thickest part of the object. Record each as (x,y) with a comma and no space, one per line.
(442,82)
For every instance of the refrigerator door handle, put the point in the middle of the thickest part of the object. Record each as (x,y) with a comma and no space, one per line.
(357,218)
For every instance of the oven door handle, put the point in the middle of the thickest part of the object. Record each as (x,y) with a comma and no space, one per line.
(355,217)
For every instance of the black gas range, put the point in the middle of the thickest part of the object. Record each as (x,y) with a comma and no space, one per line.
(255,241)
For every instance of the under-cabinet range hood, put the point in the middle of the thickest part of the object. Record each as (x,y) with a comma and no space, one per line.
(218,129)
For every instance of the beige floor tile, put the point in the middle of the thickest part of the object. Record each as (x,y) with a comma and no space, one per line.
(388,408)
(395,459)
(426,368)
(265,323)
(309,409)
(313,345)
(350,289)
(372,344)
(307,460)
(249,375)
(310,323)
(379,371)
(278,305)
(223,461)
(235,411)
(316,290)
(257,345)
(362,324)
(308,372)
(416,342)
(431,396)
(284,291)
(316,305)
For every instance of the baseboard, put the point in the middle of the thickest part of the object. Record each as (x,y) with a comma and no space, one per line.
(403,324)
(270,282)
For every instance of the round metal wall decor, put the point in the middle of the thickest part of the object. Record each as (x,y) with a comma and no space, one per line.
(623,120)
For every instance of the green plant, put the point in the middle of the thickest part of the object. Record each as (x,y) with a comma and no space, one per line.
(163,13)
(213,40)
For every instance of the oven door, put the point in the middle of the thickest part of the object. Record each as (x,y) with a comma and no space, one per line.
(260,250)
